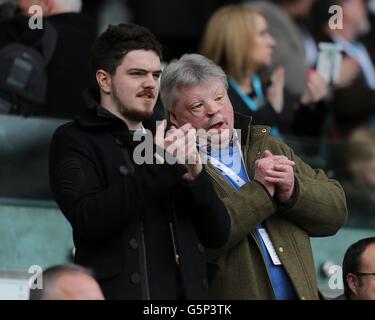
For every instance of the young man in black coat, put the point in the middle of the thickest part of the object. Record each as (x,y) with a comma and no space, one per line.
(140,227)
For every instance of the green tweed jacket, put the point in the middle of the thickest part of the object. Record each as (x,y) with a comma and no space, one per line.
(318,209)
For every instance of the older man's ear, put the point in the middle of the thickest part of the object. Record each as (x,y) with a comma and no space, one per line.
(172,119)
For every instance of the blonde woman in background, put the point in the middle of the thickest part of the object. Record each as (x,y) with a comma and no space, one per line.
(237,39)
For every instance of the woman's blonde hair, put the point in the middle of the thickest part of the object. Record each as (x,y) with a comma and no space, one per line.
(229,39)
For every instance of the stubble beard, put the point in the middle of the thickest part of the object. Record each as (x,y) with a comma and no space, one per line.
(131,114)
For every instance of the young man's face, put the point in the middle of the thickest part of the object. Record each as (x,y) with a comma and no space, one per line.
(134,86)
(205,105)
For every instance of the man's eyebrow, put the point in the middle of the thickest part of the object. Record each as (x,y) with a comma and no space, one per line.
(219,90)
(143,70)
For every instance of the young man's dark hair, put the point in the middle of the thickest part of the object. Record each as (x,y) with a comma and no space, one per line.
(113,44)
(352,261)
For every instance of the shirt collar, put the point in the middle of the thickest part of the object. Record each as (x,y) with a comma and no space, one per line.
(206,149)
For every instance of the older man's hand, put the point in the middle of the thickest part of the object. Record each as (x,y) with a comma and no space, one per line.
(281,175)
(261,167)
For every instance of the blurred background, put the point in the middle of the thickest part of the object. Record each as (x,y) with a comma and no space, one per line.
(335,133)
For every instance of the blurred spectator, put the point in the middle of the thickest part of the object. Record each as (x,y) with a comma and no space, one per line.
(362,164)
(371,11)
(68,71)
(237,39)
(105,12)
(93,8)
(177,24)
(51,7)
(289,51)
(67,282)
(295,49)
(8,9)
(359,270)
(358,179)
(354,98)
(299,11)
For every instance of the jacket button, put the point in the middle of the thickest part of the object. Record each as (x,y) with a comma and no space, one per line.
(200,248)
(258,153)
(119,142)
(133,243)
(204,284)
(281,249)
(135,278)
(264,130)
(303,298)
(123,170)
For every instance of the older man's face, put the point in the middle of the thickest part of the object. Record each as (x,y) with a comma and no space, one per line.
(205,106)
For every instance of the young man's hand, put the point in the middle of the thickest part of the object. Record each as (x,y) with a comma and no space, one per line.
(179,144)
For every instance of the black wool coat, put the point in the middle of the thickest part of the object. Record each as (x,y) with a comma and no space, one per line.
(140,228)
